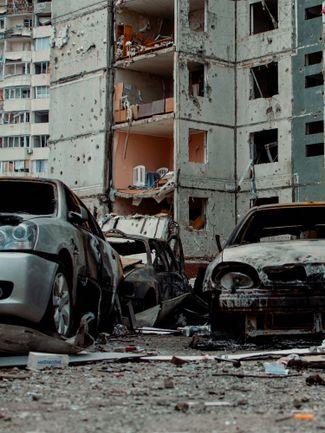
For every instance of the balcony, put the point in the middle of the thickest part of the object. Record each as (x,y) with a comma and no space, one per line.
(143,169)
(15,129)
(40,104)
(23,104)
(42,31)
(40,80)
(43,8)
(40,129)
(14,153)
(15,80)
(41,56)
(40,153)
(18,31)
(19,7)
(22,56)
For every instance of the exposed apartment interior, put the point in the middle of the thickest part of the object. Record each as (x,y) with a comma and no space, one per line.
(143,156)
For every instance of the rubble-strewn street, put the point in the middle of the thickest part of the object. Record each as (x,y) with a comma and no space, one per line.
(130,397)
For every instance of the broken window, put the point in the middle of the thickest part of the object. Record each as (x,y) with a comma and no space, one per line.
(17,69)
(37,198)
(17,92)
(314,80)
(28,23)
(315,149)
(41,92)
(264,146)
(196,79)
(260,201)
(10,167)
(2,23)
(42,68)
(315,127)
(40,140)
(196,16)
(313,12)
(197,146)
(16,141)
(313,58)
(10,118)
(41,44)
(263,16)
(41,117)
(264,81)
(197,212)
(39,166)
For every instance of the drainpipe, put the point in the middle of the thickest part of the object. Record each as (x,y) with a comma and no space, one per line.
(235,127)
(108,148)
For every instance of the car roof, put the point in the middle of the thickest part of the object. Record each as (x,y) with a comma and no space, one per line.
(29,179)
(289,205)
(118,234)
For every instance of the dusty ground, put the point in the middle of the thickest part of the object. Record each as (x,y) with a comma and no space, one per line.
(136,397)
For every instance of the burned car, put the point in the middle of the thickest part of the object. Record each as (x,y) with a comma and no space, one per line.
(55,263)
(153,267)
(269,279)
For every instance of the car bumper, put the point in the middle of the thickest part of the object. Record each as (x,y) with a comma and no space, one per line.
(30,278)
(256,302)
(260,314)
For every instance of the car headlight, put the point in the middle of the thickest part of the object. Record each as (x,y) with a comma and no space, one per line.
(236,280)
(20,237)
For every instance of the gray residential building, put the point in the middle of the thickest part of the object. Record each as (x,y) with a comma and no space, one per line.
(197,108)
(25,31)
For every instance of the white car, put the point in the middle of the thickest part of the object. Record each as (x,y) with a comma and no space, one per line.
(269,279)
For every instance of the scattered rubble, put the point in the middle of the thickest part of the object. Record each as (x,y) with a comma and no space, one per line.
(179,388)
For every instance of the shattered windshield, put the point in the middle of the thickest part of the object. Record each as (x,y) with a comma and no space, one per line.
(36,198)
(282,224)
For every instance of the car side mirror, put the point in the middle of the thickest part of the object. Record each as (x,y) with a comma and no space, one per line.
(76,217)
(218,242)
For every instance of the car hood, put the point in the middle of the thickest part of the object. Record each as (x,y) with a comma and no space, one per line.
(276,253)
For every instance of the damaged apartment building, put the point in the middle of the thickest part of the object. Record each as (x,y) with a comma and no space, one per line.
(196,108)
(25,30)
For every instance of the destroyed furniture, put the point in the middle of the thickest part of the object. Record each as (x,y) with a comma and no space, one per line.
(55,263)
(269,279)
(153,270)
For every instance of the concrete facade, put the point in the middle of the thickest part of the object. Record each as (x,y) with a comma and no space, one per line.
(25,30)
(226,95)
(80,97)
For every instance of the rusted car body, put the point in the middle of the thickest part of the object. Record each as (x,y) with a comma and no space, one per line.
(55,262)
(151,252)
(269,279)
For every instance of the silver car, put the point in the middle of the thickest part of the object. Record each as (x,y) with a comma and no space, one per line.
(55,264)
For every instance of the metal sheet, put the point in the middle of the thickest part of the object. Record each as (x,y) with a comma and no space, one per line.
(82,358)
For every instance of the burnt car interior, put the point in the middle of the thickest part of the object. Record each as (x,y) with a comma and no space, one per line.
(282,224)
(162,260)
(36,198)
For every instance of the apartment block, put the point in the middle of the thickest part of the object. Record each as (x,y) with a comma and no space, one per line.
(25,30)
(196,108)
(81,95)
(280,102)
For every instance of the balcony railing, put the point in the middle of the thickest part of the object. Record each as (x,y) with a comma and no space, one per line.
(18,7)
(42,8)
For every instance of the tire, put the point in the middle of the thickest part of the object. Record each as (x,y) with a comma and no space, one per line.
(213,313)
(60,309)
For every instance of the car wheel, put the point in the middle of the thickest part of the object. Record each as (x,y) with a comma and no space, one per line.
(61,303)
